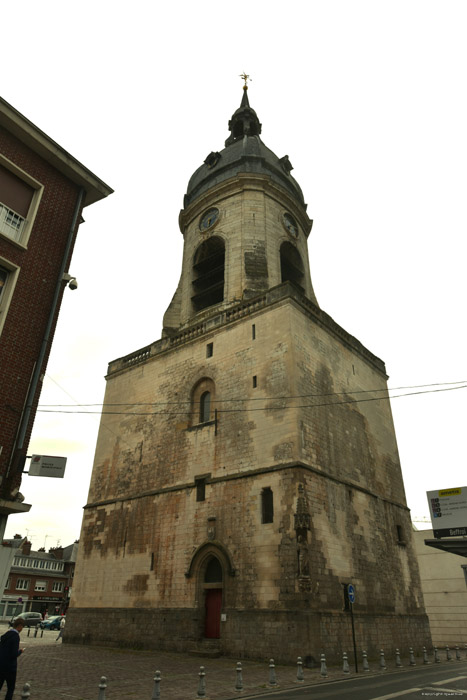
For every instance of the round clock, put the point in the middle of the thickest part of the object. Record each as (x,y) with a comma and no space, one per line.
(290,224)
(208,219)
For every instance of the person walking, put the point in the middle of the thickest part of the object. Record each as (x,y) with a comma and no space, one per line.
(62,626)
(9,652)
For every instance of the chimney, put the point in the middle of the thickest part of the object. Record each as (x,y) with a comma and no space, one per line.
(57,552)
(26,548)
(18,537)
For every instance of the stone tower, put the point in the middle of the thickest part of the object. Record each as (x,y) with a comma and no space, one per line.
(251,469)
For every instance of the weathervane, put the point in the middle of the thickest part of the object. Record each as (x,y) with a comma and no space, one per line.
(245,77)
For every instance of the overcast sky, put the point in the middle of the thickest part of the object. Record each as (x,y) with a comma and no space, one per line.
(368,99)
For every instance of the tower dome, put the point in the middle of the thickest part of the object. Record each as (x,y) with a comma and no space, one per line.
(244,152)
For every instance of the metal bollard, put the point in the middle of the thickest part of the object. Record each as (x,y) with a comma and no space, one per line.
(29,631)
(425,656)
(345,666)
(324,670)
(202,683)
(272,673)
(458,653)
(102,687)
(25,694)
(239,681)
(398,659)
(300,676)
(156,693)
(35,631)
(412,657)
(448,654)
(437,659)
(382,661)
(365,661)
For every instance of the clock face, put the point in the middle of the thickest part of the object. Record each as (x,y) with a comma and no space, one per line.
(208,219)
(291,225)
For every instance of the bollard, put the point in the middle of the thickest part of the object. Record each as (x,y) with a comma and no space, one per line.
(25,694)
(382,661)
(324,670)
(425,656)
(239,681)
(398,659)
(437,659)
(300,676)
(42,633)
(102,687)
(345,666)
(272,673)
(156,693)
(35,631)
(458,654)
(448,654)
(412,657)
(202,683)
(29,631)
(365,661)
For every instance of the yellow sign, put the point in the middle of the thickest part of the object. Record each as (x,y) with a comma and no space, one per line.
(450,492)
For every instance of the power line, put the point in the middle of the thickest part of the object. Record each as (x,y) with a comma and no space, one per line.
(251,410)
(264,398)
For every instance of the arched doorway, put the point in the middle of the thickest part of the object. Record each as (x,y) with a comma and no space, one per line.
(213,584)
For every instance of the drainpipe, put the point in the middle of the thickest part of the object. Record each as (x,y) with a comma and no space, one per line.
(23,426)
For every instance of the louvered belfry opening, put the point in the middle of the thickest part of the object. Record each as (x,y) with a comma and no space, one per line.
(291,265)
(208,274)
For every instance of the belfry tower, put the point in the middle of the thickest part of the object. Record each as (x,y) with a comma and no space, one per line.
(245,480)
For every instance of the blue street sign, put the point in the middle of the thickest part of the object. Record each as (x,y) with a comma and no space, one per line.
(351,593)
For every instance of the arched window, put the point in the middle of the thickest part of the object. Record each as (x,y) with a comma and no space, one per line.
(205,407)
(202,401)
(291,265)
(213,572)
(208,273)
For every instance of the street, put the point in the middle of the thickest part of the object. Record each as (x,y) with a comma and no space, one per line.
(59,670)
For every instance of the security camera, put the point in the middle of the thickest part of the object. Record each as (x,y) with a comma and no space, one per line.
(70,280)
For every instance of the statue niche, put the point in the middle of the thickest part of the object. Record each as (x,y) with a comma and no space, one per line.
(301,526)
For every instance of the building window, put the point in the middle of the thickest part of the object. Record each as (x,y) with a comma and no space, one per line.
(200,489)
(213,572)
(205,407)
(208,274)
(253,332)
(291,265)
(209,349)
(19,200)
(8,583)
(57,587)
(400,535)
(22,584)
(267,505)
(255,382)
(40,586)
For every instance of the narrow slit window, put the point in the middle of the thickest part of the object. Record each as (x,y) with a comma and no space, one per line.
(209,349)
(253,332)
(255,382)
(200,489)
(267,505)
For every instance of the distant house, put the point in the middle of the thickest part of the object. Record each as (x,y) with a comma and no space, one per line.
(38,581)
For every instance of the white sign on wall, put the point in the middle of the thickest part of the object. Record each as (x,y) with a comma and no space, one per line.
(448,510)
(45,465)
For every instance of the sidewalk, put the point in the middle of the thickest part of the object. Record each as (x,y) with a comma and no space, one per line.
(56,670)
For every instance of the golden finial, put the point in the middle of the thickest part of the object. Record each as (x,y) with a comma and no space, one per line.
(245,77)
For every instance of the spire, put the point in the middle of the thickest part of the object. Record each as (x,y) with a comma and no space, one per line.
(244,121)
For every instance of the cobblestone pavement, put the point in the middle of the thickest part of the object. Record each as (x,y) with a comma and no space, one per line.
(56,670)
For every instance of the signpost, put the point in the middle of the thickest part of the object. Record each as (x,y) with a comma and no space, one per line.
(45,465)
(448,510)
(351,597)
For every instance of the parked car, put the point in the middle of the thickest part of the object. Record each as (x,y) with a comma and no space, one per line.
(31,619)
(52,622)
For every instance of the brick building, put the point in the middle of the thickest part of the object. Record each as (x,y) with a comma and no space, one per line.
(242,482)
(43,190)
(38,581)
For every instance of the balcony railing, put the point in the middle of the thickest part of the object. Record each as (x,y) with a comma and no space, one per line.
(11,223)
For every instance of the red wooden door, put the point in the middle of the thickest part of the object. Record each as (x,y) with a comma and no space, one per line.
(212,624)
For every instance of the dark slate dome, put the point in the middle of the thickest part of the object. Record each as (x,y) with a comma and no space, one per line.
(244,153)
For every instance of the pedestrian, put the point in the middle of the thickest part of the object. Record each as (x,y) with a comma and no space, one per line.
(9,652)
(62,625)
